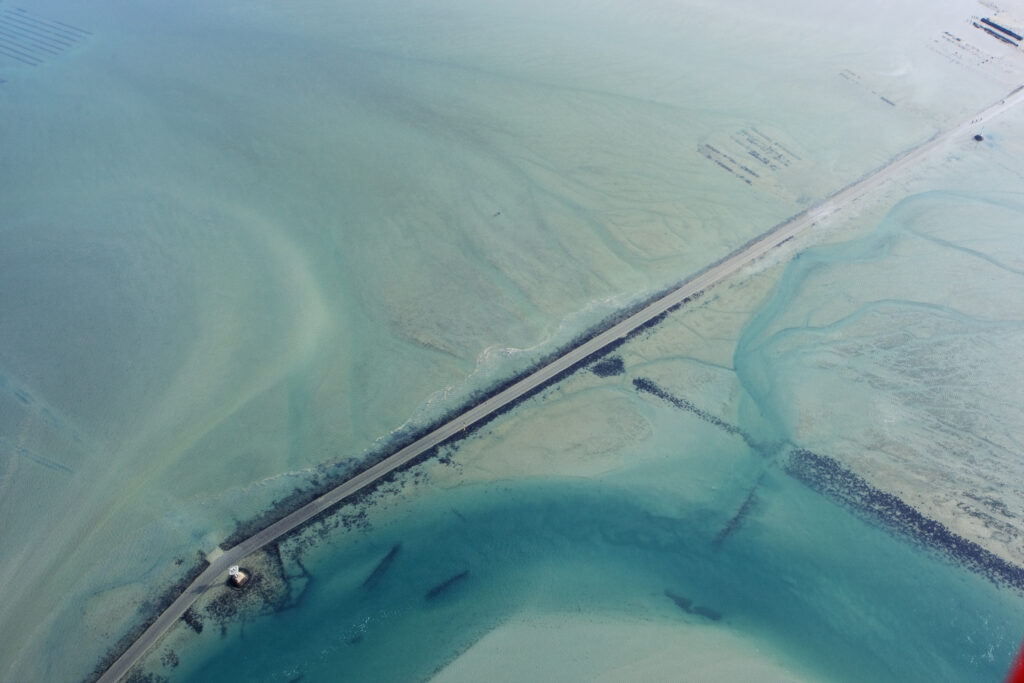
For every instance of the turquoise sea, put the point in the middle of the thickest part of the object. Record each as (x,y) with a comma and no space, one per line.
(702,523)
(834,597)
(243,245)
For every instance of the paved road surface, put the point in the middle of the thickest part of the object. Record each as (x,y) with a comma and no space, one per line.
(217,571)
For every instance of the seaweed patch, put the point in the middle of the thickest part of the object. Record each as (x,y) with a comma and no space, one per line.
(269,590)
(706,612)
(138,677)
(829,478)
(609,367)
(151,611)
(193,620)
(684,603)
(329,477)
(169,659)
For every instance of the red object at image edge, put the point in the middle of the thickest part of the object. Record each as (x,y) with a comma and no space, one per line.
(1017,671)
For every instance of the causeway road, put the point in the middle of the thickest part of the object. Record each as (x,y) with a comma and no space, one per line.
(216,573)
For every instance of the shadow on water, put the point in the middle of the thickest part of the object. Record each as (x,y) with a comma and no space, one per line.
(686,604)
(382,567)
(446,585)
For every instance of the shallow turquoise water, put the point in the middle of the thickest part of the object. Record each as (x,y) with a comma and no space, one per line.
(808,579)
(240,241)
(824,589)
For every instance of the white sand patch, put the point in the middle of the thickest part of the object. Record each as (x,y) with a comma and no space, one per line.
(573,647)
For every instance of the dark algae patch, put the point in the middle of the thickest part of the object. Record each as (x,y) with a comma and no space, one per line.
(680,601)
(271,589)
(684,603)
(169,659)
(265,592)
(829,478)
(323,481)
(139,677)
(148,613)
(609,367)
(445,586)
(706,612)
(193,620)
(329,477)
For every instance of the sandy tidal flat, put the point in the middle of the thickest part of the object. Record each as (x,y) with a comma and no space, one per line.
(240,242)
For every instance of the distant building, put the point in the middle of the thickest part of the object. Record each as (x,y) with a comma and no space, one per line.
(236,577)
